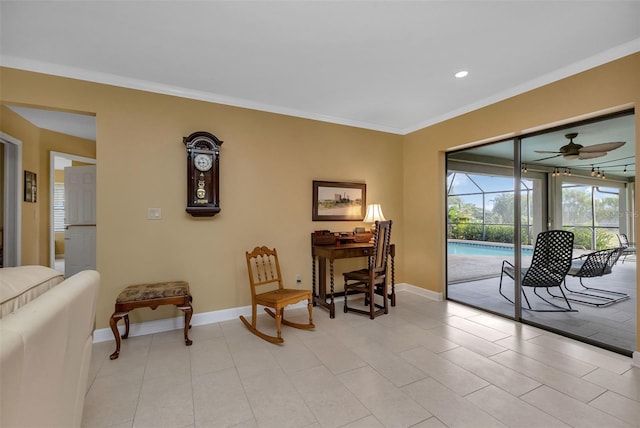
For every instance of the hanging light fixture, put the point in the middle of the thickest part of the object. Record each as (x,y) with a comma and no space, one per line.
(603,177)
(593,171)
(598,174)
(625,170)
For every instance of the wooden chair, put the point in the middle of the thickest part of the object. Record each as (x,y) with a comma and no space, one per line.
(372,280)
(264,270)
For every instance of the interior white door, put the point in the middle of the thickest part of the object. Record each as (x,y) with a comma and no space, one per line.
(80,219)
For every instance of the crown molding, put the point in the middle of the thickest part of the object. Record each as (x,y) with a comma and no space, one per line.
(176,91)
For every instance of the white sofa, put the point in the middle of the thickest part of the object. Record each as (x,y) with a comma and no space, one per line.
(46,339)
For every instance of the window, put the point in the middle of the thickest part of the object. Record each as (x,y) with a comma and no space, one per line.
(58,207)
(480,207)
(592,213)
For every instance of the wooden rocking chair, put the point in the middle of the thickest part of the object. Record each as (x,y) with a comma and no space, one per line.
(264,270)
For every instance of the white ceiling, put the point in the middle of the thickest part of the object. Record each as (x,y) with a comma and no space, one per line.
(78,125)
(384,65)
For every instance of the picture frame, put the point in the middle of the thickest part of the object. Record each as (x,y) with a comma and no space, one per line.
(30,187)
(338,201)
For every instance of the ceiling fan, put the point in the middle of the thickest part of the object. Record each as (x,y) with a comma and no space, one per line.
(577,151)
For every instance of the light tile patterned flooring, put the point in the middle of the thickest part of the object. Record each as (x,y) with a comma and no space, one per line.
(425,364)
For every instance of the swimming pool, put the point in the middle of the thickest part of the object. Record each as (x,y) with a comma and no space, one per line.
(479,249)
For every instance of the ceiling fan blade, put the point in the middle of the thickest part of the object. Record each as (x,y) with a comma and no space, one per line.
(546,151)
(604,147)
(591,155)
(549,157)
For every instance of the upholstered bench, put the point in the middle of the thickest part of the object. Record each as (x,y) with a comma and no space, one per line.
(151,296)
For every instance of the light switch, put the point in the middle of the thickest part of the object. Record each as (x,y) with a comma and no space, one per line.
(154,213)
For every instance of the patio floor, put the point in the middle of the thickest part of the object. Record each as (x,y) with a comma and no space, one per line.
(474,280)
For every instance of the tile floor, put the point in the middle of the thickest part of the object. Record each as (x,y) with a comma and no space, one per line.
(425,364)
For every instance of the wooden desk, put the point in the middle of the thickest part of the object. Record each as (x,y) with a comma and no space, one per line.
(322,253)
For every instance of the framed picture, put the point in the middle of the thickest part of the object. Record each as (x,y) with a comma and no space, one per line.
(30,187)
(338,201)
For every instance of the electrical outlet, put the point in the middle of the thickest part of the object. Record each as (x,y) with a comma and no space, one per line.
(298,279)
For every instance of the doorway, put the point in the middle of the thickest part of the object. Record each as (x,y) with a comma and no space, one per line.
(11,224)
(58,161)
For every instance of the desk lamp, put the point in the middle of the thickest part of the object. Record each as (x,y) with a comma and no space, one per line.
(374,213)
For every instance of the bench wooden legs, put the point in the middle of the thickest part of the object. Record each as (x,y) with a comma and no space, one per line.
(113,323)
(119,314)
(188,312)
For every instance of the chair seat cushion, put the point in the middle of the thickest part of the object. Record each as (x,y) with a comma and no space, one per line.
(159,290)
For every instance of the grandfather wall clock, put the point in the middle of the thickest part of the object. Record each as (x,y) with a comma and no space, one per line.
(203,174)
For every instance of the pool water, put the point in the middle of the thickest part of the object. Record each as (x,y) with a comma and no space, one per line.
(469,249)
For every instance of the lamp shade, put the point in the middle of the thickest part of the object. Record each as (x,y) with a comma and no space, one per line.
(374,213)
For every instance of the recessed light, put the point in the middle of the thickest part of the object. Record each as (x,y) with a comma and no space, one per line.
(461,74)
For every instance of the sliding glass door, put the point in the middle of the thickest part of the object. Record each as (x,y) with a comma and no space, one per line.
(481,226)
(578,178)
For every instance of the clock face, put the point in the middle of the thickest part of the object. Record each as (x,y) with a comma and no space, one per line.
(203,162)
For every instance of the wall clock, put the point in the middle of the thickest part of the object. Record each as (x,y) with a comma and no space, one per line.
(203,174)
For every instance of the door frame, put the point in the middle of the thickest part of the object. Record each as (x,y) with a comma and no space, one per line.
(12,201)
(52,233)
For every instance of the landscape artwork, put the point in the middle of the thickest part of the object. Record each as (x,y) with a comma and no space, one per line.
(338,201)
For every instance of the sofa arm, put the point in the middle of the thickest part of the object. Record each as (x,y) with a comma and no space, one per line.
(44,355)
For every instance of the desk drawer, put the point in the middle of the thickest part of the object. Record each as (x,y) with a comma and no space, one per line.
(344,253)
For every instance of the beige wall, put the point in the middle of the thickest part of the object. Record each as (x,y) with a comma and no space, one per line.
(268,162)
(611,87)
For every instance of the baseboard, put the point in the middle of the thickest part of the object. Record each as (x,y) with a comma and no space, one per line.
(433,295)
(168,324)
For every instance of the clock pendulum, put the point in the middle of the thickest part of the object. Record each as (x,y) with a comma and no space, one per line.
(201,192)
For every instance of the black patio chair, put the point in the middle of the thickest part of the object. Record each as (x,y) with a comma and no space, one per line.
(593,265)
(551,261)
(627,248)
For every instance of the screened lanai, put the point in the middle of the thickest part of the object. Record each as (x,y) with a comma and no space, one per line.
(501,196)
(481,208)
